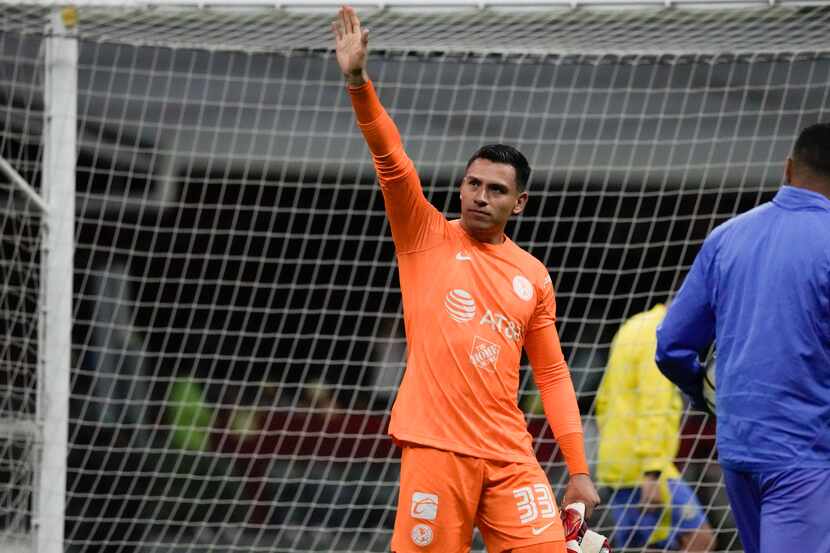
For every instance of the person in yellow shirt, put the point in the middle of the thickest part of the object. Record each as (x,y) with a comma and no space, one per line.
(638,415)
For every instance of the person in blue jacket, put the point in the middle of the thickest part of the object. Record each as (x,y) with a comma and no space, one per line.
(760,290)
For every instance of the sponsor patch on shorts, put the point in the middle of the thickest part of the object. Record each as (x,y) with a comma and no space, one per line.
(424,506)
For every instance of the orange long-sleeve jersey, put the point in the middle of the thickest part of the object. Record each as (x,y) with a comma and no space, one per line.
(469,308)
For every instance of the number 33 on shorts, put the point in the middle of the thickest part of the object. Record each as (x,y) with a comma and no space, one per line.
(536,506)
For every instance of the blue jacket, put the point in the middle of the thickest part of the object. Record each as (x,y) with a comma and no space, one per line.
(760,289)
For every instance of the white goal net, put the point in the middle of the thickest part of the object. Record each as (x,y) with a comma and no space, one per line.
(20,243)
(237,334)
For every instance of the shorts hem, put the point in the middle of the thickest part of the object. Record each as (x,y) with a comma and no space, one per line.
(532,541)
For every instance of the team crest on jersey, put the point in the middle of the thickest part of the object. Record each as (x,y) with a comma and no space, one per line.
(484,354)
(421,535)
(460,305)
(522,287)
(424,506)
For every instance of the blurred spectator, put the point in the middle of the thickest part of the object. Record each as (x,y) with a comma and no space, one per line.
(638,414)
(204,485)
(190,416)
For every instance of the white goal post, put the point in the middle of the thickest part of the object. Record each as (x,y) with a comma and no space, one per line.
(38,236)
(200,314)
(58,190)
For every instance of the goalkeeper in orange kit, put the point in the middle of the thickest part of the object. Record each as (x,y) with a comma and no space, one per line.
(472,300)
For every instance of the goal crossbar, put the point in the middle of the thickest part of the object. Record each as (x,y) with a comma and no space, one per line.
(440,4)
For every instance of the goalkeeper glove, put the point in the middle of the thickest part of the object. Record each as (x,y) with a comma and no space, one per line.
(578,538)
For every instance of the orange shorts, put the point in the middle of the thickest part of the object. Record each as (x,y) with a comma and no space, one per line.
(444,494)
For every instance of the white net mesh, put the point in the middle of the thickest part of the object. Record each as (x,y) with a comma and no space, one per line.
(20,280)
(19,255)
(238,336)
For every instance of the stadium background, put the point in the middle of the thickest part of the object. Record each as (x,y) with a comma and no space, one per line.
(237,332)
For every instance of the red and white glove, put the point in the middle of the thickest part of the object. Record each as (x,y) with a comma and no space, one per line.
(578,538)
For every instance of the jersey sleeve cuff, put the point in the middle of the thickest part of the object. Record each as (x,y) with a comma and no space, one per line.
(572,446)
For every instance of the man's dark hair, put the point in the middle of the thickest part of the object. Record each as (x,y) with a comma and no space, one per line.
(812,149)
(502,153)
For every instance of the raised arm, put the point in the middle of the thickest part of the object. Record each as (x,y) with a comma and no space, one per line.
(414,221)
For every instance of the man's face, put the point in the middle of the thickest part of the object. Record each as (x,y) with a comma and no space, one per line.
(489,196)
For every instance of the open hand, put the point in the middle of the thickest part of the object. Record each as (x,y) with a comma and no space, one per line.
(352,45)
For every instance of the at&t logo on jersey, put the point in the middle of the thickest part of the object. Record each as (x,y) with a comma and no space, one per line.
(460,305)
(511,330)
